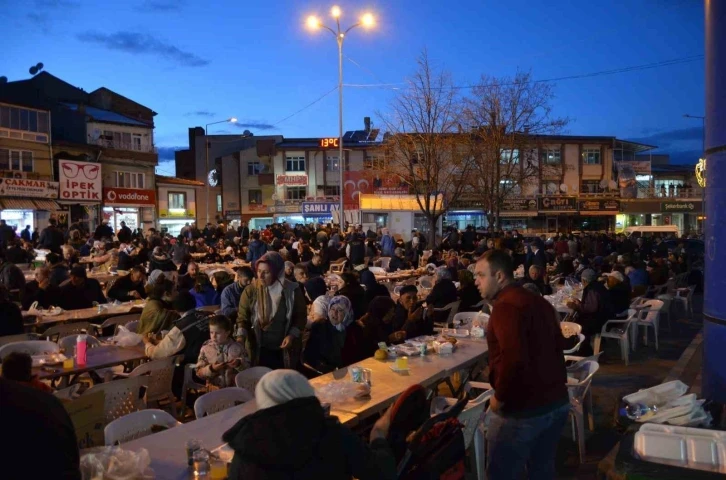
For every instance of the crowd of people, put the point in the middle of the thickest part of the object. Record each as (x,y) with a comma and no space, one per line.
(278,311)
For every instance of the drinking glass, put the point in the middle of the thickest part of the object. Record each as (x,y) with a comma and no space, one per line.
(402,363)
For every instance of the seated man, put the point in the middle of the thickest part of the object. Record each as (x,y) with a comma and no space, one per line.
(10,275)
(301,273)
(18,367)
(233,292)
(58,269)
(41,290)
(187,281)
(80,292)
(444,291)
(315,266)
(594,309)
(536,277)
(129,287)
(398,262)
(409,315)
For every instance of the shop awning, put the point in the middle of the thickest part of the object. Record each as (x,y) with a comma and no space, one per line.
(517,214)
(18,204)
(46,205)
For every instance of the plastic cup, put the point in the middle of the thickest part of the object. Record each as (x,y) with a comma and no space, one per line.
(68,363)
(217,470)
(402,363)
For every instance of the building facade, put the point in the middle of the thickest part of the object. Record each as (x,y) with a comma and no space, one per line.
(176,203)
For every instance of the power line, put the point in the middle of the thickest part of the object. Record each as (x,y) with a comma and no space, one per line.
(645,66)
(306,106)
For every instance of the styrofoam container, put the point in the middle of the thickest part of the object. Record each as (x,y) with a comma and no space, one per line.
(682,446)
(658,395)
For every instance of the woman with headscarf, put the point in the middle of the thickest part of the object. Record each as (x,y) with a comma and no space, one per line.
(316,292)
(373,288)
(290,436)
(272,315)
(157,314)
(378,324)
(337,342)
(467,292)
(203,291)
(220,281)
(355,293)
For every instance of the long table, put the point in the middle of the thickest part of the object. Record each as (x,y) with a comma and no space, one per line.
(167,448)
(83,314)
(96,358)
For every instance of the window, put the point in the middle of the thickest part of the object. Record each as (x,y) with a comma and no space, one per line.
(24,119)
(219,203)
(374,162)
(130,180)
(177,200)
(550,156)
(590,186)
(331,190)
(17,160)
(332,164)
(255,197)
(591,156)
(136,141)
(295,164)
(295,193)
(509,156)
(254,168)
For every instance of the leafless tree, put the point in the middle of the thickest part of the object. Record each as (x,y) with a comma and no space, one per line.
(507,116)
(423,147)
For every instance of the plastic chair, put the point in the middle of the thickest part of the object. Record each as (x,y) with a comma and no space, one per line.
(122,396)
(56,332)
(136,425)
(190,384)
(620,334)
(665,312)
(574,349)
(160,374)
(116,321)
(221,399)
(384,263)
(377,270)
(651,319)
(578,387)
(452,308)
(339,266)
(468,317)
(427,282)
(31,347)
(685,297)
(68,343)
(67,394)
(22,337)
(132,326)
(248,379)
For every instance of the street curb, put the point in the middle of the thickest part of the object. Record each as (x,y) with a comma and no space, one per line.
(677,371)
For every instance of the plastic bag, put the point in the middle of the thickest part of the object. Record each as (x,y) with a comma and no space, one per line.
(342,391)
(124,338)
(115,463)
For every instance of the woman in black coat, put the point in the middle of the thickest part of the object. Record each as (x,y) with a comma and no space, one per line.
(290,436)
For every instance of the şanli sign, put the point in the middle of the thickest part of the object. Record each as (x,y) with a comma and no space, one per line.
(80,181)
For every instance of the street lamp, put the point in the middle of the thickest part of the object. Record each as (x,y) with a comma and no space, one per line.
(313,23)
(206,149)
(703,121)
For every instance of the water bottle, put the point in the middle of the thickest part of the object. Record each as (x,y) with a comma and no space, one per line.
(81,350)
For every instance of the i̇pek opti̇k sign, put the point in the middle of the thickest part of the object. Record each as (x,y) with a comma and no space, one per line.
(80,181)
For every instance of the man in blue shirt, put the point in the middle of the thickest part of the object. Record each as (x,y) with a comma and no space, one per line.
(232,293)
(637,275)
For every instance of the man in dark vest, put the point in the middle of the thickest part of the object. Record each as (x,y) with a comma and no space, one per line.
(356,250)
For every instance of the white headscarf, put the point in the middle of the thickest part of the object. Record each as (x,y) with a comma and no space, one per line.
(281,386)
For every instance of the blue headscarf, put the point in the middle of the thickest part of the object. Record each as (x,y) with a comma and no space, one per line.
(341,301)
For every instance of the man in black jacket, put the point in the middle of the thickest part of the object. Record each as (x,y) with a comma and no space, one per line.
(594,309)
(51,238)
(124,233)
(129,287)
(58,269)
(80,291)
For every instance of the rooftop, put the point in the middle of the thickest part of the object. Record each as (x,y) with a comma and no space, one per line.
(107,116)
(178,181)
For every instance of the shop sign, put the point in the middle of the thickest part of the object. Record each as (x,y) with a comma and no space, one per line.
(678,207)
(399,190)
(176,213)
(519,205)
(318,208)
(291,180)
(557,204)
(80,181)
(599,205)
(22,187)
(254,207)
(128,196)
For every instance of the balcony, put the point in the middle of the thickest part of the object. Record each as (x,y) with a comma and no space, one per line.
(128,146)
(287,202)
(693,193)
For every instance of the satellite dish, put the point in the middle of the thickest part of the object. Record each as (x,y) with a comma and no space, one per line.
(39,66)
(247,133)
(563,187)
(33,70)
(612,184)
(603,183)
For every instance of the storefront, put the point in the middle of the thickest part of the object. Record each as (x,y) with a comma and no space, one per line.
(518,214)
(463,218)
(176,201)
(80,191)
(27,202)
(555,214)
(401,212)
(134,207)
(683,214)
(596,215)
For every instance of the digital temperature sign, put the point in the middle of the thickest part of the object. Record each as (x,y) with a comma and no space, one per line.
(329,143)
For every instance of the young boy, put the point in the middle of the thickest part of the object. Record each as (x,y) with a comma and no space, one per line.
(18,367)
(221,357)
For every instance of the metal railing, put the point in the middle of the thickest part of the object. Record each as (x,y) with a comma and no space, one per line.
(123,145)
(695,193)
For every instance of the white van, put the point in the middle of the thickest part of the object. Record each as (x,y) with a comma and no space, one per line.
(649,231)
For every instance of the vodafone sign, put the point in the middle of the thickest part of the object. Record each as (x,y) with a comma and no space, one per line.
(129,197)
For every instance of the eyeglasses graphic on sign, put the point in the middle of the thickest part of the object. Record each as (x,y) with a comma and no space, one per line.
(89,171)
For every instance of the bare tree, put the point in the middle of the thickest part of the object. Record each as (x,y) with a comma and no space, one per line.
(423,147)
(507,116)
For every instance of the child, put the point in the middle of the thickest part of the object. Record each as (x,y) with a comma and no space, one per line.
(221,357)
(18,366)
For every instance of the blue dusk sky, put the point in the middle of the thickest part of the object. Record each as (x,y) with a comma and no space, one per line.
(199,62)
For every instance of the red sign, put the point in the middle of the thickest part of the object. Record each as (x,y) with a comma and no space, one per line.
(369,181)
(128,196)
(253,207)
(292,180)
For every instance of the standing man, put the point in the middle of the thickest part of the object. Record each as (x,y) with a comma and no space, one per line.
(233,292)
(25,234)
(51,238)
(530,404)
(124,233)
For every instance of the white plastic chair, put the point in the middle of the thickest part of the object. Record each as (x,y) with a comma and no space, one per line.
(578,387)
(21,337)
(116,321)
(132,326)
(452,308)
(31,347)
(427,282)
(339,266)
(248,379)
(580,341)
(620,333)
(384,263)
(468,317)
(56,332)
(651,319)
(190,384)
(685,297)
(122,396)
(68,343)
(67,394)
(136,425)
(221,399)
(160,374)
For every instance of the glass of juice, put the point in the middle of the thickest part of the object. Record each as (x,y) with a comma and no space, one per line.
(218,469)
(402,363)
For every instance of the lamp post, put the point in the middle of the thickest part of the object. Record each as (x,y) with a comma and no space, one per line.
(206,150)
(313,23)
(703,152)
